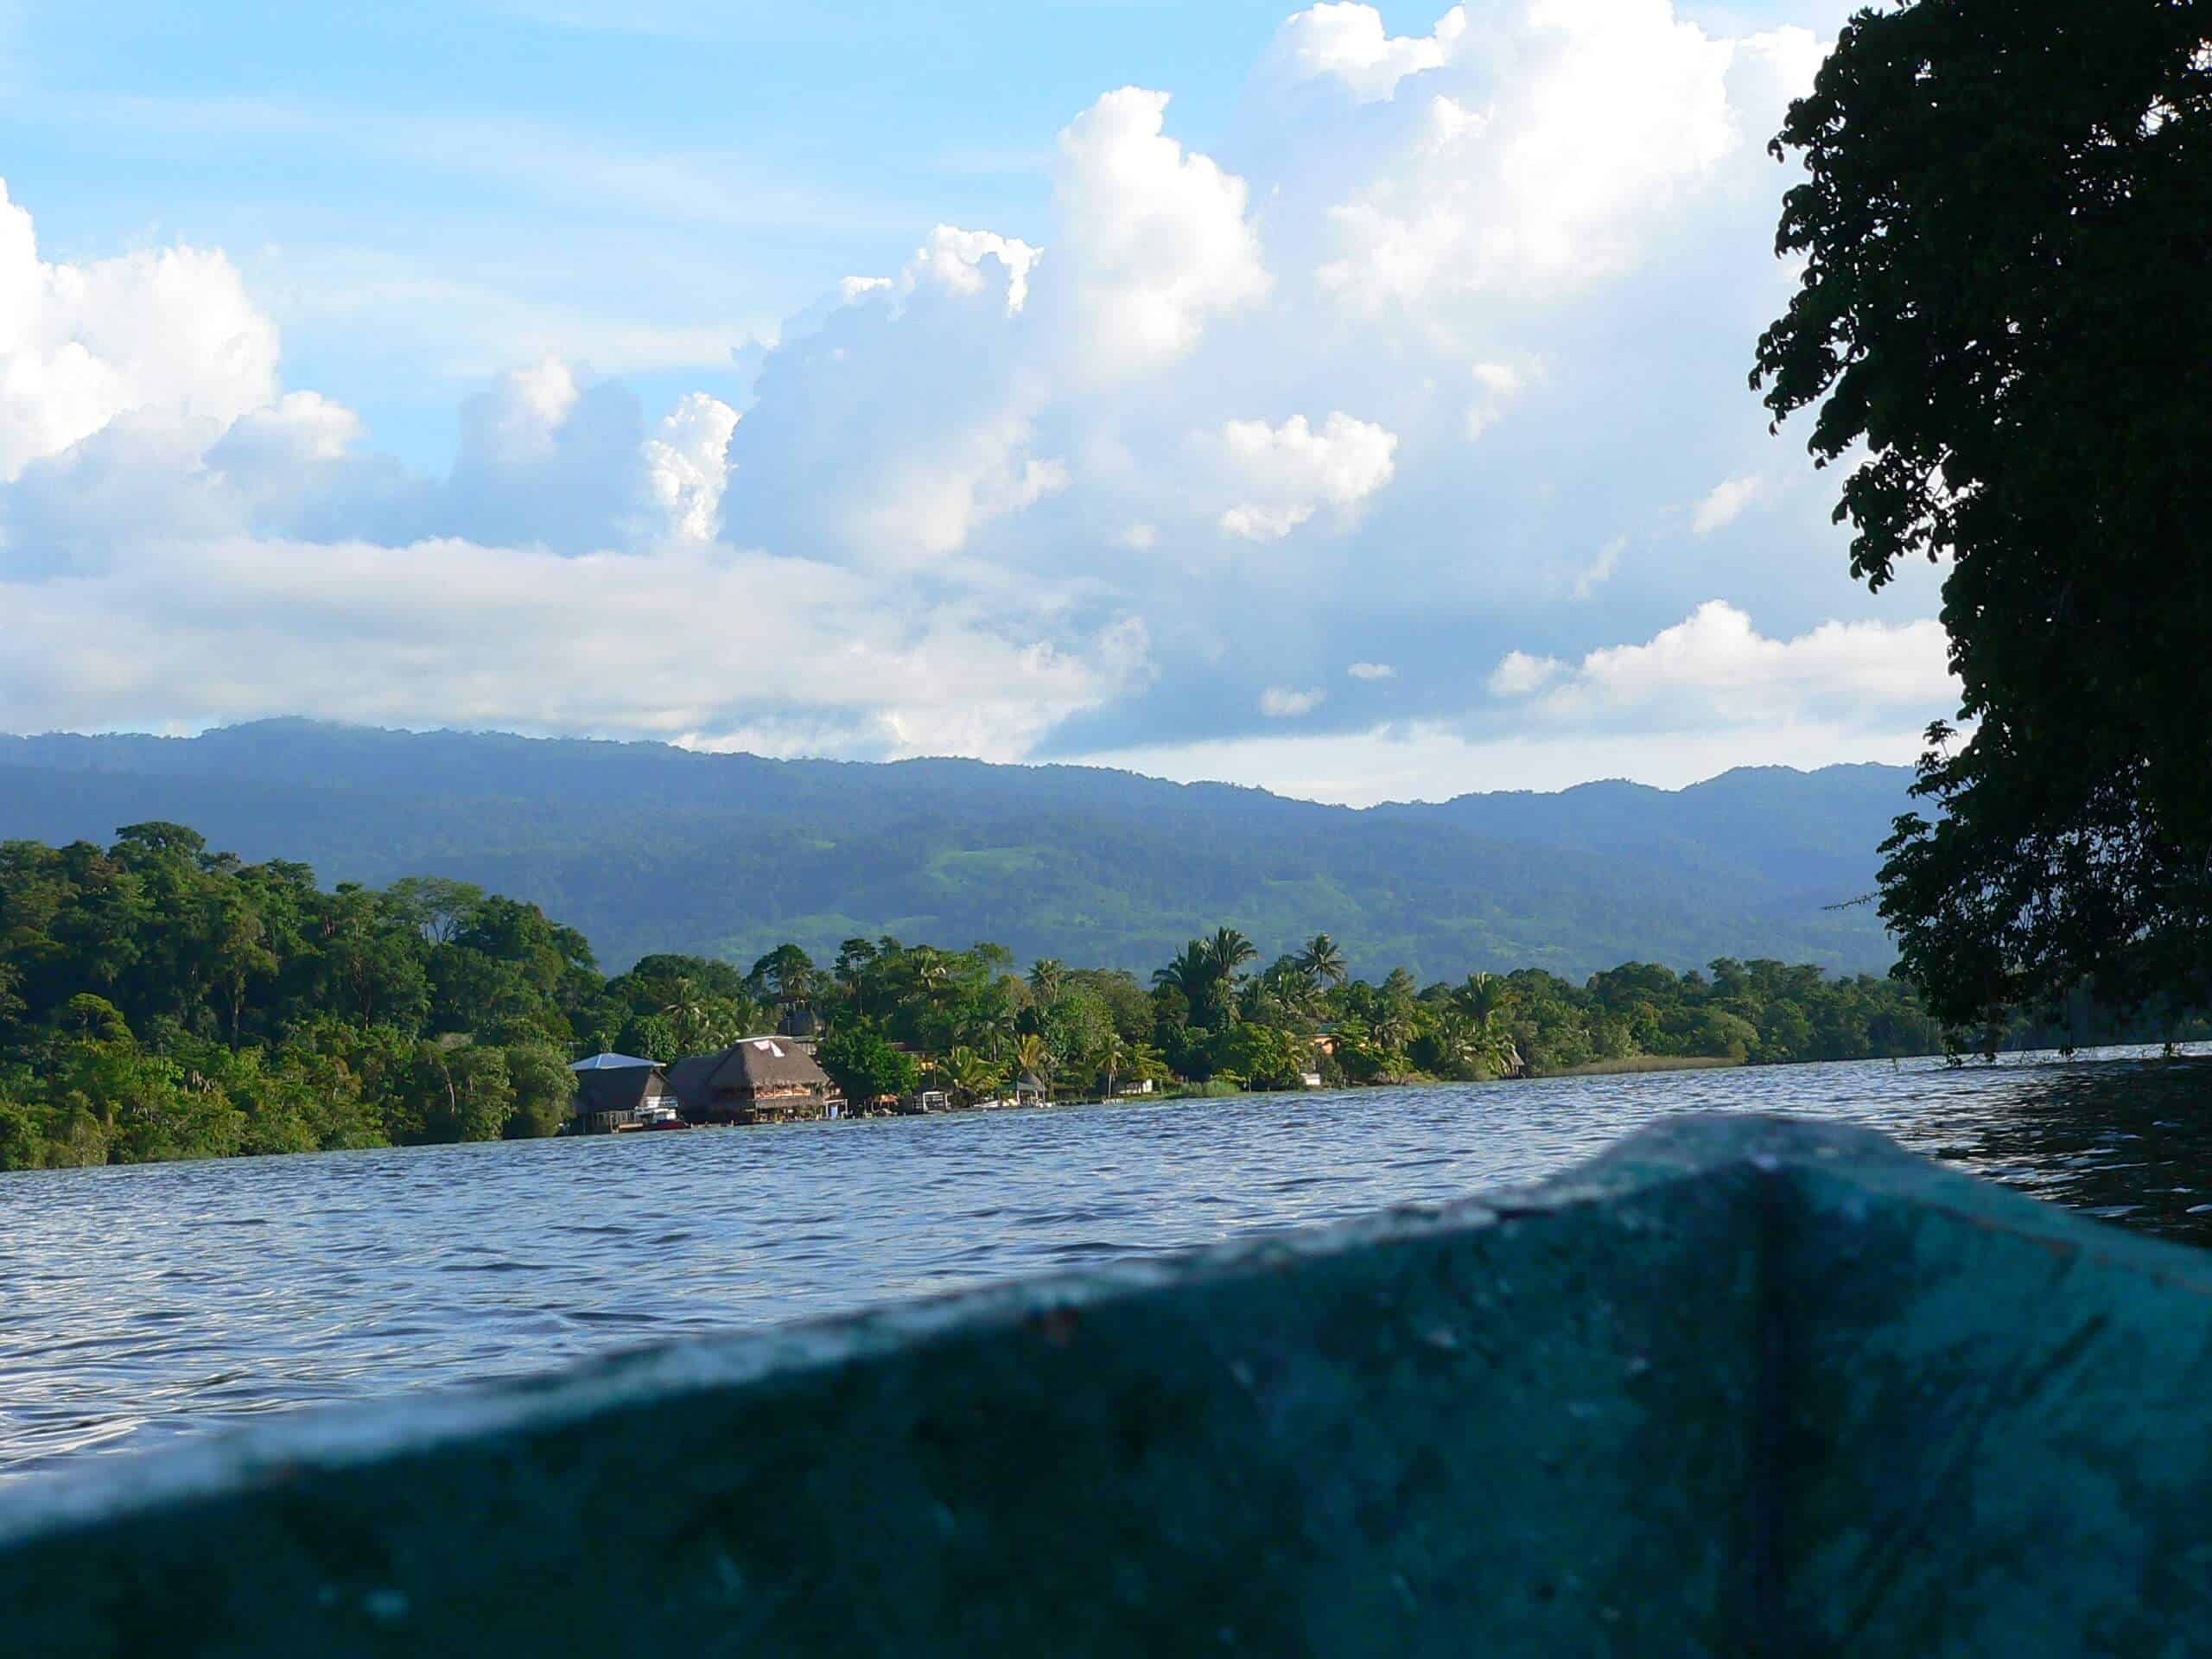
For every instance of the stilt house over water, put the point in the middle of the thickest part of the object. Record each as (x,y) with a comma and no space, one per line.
(618,1091)
(756,1080)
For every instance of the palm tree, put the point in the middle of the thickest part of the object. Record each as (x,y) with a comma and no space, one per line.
(1483,996)
(1114,1058)
(1462,1046)
(685,1010)
(1192,973)
(1391,1028)
(986,1027)
(1500,1052)
(1046,976)
(932,974)
(1032,1057)
(1320,961)
(1229,951)
(969,1075)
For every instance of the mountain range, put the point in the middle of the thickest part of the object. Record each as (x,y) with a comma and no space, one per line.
(646,847)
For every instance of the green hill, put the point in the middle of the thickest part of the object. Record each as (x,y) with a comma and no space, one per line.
(648,848)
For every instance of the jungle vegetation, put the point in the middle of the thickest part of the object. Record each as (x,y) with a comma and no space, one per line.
(159,999)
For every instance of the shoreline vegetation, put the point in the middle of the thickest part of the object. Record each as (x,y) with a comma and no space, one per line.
(160,1000)
(1631,1064)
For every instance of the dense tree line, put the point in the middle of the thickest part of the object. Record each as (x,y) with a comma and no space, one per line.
(158,999)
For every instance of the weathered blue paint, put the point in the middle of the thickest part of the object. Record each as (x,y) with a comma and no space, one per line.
(1741,1386)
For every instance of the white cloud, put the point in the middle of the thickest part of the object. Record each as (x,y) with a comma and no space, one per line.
(1725,504)
(927,506)
(687,467)
(1600,569)
(1291,470)
(1006,453)
(1282,702)
(448,632)
(300,430)
(1348,43)
(184,542)
(170,333)
(1517,674)
(1536,165)
(1434,761)
(1154,238)
(1258,523)
(1496,384)
(953,259)
(1716,666)
(1372,671)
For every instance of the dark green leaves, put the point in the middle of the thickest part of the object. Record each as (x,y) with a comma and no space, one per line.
(2006,226)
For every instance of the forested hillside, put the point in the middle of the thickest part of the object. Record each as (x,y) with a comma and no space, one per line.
(645,848)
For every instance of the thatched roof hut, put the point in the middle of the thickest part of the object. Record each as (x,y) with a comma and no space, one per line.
(613,1091)
(752,1080)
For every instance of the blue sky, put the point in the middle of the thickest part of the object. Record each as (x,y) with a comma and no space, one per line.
(1350,400)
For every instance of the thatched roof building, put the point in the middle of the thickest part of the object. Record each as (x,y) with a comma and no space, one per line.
(758,1079)
(615,1091)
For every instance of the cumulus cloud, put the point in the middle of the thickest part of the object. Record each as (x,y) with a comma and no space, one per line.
(1041,494)
(687,467)
(1348,44)
(1537,164)
(170,334)
(1715,665)
(1154,236)
(182,543)
(1517,674)
(1291,470)
(952,259)
(1282,702)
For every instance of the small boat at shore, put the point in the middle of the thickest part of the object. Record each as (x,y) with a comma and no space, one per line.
(1739,1386)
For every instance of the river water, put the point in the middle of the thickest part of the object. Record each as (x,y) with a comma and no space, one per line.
(140,1305)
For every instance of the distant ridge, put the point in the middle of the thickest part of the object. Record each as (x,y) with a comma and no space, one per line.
(649,848)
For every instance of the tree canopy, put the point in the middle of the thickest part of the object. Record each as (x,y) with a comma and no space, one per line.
(2006,227)
(160,1000)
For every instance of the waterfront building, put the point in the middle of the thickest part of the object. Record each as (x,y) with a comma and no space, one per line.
(755,1080)
(618,1091)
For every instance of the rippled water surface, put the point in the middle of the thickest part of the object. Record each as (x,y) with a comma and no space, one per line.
(138,1304)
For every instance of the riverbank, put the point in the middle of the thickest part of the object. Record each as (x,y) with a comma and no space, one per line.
(1636,1063)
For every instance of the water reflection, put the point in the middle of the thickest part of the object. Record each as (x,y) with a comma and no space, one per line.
(2127,1143)
(140,1305)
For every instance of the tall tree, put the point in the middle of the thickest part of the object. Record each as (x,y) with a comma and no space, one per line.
(1320,961)
(1231,951)
(785,975)
(2005,236)
(1046,975)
